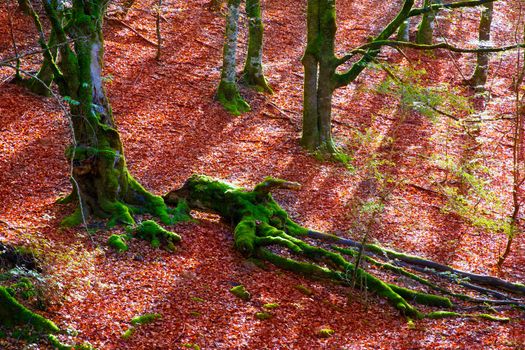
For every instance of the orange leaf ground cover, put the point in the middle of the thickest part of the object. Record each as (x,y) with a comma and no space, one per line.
(172,128)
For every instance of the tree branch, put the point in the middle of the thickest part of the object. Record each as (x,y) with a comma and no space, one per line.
(453,5)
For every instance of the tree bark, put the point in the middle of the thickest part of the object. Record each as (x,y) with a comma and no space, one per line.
(253,74)
(319,63)
(425,31)
(479,76)
(228,92)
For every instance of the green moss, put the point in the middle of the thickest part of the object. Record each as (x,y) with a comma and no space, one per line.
(422,298)
(118,243)
(271,306)
(229,97)
(244,236)
(241,292)
(304,290)
(325,332)
(150,231)
(191,346)
(195,313)
(72,220)
(12,313)
(145,319)
(198,300)
(128,333)
(263,315)
(58,345)
(450,314)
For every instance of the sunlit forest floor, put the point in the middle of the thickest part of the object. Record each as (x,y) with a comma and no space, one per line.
(172,128)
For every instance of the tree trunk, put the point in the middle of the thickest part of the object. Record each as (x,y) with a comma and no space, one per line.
(253,74)
(101,180)
(228,92)
(425,31)
(403,33)
(319,63)
(479,77)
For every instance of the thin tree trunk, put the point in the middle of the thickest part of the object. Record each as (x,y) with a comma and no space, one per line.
(253,69)
(310,138)
(228,92)
(41,83)
(425,31)
(479,77)
(403,33)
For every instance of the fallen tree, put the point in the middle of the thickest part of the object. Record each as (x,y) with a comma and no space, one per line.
(264,230)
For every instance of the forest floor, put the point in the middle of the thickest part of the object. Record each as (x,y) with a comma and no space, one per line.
(171,128)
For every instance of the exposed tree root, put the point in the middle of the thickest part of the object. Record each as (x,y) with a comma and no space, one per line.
(263,229)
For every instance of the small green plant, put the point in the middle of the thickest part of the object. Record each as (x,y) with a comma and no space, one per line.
(430,101)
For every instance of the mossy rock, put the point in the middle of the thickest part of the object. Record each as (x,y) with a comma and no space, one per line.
(271,306)
(325,332)
(263,315)
(304,290)
(118,243)
(241,292)
(145,319)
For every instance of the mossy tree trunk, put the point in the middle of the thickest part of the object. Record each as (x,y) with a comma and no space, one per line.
(479,76)
(253,74)
(319,63)
(40,84)
(100,176)
(425,30)
(228,92)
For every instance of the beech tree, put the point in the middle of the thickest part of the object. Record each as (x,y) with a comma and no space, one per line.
(321,76)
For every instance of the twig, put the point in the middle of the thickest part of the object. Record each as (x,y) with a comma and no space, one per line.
(133,30)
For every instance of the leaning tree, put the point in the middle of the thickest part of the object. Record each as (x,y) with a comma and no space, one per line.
(103,187)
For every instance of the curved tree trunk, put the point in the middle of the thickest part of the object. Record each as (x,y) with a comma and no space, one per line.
(100,178)
(253,74)
(228,92)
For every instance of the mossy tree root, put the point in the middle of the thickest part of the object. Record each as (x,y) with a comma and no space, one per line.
(13,314)
(425,265)
(263,229)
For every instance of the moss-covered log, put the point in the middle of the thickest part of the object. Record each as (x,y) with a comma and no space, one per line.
(263,229)
(13,314)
